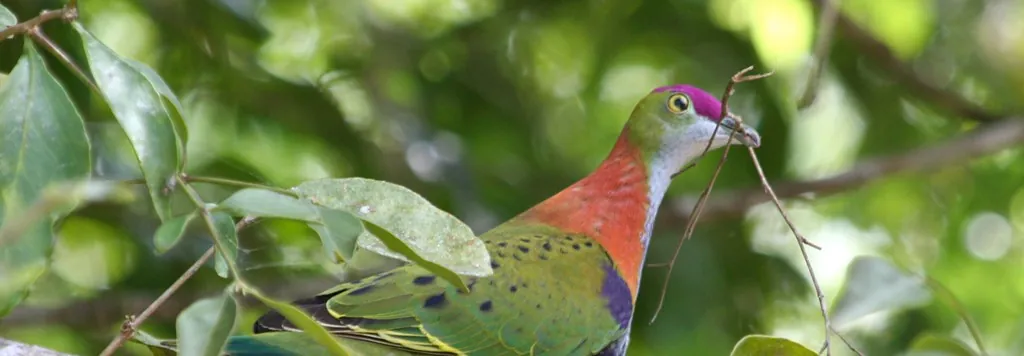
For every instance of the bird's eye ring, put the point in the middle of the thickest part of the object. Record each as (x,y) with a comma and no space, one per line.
(678,103)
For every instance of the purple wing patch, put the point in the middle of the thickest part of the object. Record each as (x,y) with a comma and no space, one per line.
(616,292)
(707,105)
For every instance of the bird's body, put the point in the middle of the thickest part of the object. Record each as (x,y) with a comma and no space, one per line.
(566,271)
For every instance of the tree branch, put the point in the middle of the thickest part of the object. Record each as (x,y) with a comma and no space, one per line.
(923,89)
(985,140)
(67,13)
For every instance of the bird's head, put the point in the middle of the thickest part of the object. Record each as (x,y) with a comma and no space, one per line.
(673,124)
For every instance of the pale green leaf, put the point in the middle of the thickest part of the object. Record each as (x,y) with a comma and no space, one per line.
(226,239)
(170,232)
(7,18)
(204,326)
(265,203)
(42,142)
(156,346)
(170,101)
(873,285)
(139,108)
(763,345)
(431,233)
(393,243)
(338,232)
(302,320)
(930,344)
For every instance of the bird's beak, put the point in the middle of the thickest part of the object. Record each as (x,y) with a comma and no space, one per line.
(749,137)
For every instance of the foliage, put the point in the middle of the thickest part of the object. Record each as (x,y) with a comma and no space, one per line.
(476,110)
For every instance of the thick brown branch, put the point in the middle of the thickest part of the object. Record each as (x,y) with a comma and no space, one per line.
(985,140)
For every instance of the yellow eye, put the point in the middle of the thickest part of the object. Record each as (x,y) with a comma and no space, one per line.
(678,103)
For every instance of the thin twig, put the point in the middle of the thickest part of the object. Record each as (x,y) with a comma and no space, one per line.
(132,323)
(68,13)
(692,223)
(37,35)
(238,183)
(822,48)
(803,250)
(845,341)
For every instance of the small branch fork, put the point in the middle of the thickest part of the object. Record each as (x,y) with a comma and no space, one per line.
(132,322)
(802,242)
(33,29)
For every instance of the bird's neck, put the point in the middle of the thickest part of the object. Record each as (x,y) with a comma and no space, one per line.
(615,205)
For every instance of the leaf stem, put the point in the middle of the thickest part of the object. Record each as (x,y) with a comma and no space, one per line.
(238,183)
(218,240)
(37,35)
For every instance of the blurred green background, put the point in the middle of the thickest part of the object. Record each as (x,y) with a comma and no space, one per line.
(486,107)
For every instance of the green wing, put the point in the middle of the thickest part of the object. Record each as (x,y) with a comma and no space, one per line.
(544,298)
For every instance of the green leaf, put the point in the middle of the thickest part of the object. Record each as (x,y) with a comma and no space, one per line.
(170,102)
(42,142)
(431,233)
(7,18)
(763,345)
(300,319)
(156,346)
(265,203)
(170,232)
(874,284)
(204,326)
(338,232)
(930,344)
(139,108)
(395,244)
(227,243)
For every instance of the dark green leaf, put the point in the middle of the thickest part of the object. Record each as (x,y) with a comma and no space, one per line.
(170,101)
(204,326)
(7,18)
(874,284)
(338,231)
(227,243)
(395,244)
(429,232)
(139,108)
(300,319)
(763,345)
(170,232)
(42,142)
(931,344)
(265,203)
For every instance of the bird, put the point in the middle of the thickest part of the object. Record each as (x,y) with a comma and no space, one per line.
(566,272)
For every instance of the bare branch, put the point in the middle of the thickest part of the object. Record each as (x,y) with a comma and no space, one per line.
(984,140)
(822,48)
(803,251)
(900,71)
(132,323)
(67,13)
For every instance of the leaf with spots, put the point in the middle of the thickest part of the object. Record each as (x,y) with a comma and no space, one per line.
(42,142)
(139,107)
(429,232)
(762,345)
